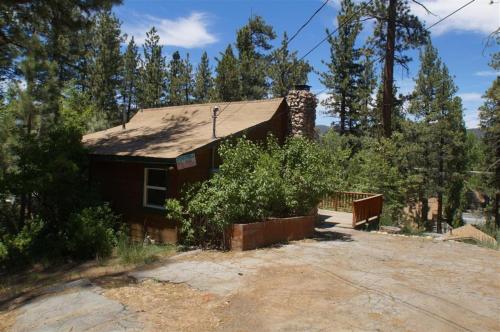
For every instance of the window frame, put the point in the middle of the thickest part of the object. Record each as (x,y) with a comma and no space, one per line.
(146,187)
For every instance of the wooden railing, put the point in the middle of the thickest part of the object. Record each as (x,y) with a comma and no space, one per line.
(342,200)
(364,207)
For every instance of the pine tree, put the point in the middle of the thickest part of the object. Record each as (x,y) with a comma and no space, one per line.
(175,72)
(227,82)
(152,88)
(367,83)
(344,69)
(442,135)
(286,70)
(35,107)
(58,23)
(489,116)
(106,65)
(130,79)
(251,40)
(203,84)
(396,30)
(422,106)
(187,80)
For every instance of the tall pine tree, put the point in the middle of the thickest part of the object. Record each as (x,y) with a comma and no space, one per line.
(251,41)
(442,135)
(344,69)
(367,83)
(175,78)
(130,79)
(286,70)
(489,116)
(187,80)
(396,30)
(60,24)
(203,84)
(106,65)
(227,81)
(152,88)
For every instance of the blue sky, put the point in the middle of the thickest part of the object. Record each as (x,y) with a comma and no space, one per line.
(195,26)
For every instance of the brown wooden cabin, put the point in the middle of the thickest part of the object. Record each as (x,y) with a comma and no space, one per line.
(162,149)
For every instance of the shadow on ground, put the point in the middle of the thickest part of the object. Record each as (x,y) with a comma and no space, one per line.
(331,236)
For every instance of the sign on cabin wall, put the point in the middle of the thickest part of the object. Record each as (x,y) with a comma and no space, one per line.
(186,161)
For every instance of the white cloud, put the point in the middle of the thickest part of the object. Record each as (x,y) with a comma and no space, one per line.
(487,73)
(480,16)
(471,119)
(471,102)
(188,32)
(468,97)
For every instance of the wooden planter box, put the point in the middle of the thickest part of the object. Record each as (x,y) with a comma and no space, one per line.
(274,230)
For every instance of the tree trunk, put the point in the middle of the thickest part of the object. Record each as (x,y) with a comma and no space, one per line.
(342,114)
(495,209)
(425,209)
(497,185)
(440,188)
(22,211)
(129,105)
(387,102)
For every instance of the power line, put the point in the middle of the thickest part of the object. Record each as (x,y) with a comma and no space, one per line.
(452,13)
(365,5)
(337,29)
(309,20)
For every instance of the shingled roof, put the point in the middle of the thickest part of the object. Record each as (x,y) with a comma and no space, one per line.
(169,132)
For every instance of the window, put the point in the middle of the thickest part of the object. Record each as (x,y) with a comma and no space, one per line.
(155,187)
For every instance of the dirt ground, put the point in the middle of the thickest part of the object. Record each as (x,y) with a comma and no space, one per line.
(341,280)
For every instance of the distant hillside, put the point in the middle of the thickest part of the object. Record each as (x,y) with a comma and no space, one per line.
(321,129)
(476,131)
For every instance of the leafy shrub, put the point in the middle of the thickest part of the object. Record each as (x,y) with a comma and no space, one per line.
(174,212)
(256,181)
(92,232)
(22,247)
(3,252)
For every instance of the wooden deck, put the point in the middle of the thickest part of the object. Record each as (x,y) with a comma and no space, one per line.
(335,218)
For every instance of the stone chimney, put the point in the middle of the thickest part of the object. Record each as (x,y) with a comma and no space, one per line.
(302,111)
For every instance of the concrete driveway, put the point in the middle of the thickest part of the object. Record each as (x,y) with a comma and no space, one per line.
(342,280)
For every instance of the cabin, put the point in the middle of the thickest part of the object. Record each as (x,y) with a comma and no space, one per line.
(139,165)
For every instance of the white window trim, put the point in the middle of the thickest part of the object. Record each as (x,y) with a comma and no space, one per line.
(146,187)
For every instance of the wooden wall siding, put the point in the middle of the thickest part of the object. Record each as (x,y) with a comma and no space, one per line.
(122,183)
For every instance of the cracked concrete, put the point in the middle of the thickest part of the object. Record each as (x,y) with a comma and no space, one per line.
(348,280)
(81,308)
(341,280)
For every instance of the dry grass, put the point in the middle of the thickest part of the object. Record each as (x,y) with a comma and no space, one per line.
(169,307)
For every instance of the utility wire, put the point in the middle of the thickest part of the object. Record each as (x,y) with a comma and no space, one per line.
(309,20)
(337,29)
(452,13)
(365,5)
(345,22)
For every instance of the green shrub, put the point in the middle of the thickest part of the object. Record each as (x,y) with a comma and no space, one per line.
(92,233)
(3,252)
(254,182)
(174,212)
(19,249)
